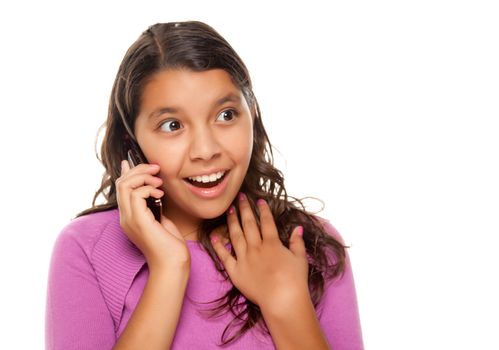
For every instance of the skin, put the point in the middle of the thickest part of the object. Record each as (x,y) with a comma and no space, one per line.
(199,136)
(272,276)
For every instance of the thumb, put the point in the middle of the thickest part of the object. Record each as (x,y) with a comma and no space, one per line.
(170,227)
(296,243)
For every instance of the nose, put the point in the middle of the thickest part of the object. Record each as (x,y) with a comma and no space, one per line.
(204,145)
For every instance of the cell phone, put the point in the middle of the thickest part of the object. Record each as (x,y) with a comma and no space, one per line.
(136,157)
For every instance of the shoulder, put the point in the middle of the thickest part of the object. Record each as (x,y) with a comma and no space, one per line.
(336,252)
(101,238)
(338,308)
(96,245)
(329,228)
(85,231)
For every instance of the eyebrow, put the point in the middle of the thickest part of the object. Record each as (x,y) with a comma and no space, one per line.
(231,97)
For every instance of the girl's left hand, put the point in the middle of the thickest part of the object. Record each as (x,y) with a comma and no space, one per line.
(264,270)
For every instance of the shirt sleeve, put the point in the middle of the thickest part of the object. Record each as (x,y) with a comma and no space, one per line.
(338,310)
(76,316)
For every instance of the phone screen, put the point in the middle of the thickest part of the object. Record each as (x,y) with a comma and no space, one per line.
(136,157)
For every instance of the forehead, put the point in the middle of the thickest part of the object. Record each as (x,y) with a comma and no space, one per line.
(181,86)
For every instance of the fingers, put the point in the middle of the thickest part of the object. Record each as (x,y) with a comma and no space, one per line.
(269,229)
(236,233)
(296,243)
(138,195)
(141,169)
(249,225)
(136,184)
(224,255)
(247,234)
(125,166)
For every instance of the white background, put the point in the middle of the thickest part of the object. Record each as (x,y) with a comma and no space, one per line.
(385,110)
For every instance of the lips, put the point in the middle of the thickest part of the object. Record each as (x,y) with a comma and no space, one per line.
(214,190)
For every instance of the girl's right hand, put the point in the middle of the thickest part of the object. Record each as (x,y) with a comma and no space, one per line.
(161,243)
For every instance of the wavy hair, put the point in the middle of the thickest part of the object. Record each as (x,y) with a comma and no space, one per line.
(198,47)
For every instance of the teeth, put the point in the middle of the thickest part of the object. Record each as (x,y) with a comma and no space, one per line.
(207,178)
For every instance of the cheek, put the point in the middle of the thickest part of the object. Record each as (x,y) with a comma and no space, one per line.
(239,145)
(170,160)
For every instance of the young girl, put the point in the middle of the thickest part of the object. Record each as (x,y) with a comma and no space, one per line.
(233,262)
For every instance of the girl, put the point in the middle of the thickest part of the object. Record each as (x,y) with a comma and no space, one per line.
(233,261)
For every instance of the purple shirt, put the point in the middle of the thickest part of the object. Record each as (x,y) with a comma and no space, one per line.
(97,277)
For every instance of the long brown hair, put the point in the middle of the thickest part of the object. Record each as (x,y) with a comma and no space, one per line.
(197,46)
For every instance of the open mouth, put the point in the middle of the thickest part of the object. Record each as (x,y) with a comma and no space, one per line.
(206,183)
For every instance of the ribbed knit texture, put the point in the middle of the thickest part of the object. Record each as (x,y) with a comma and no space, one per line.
(97,277)
(116,261)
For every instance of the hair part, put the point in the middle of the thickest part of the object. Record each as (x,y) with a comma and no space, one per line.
(198,47)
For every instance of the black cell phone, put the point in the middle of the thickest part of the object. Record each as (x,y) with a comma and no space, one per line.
(136,157)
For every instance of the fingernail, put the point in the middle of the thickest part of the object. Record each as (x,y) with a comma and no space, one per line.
(231,210)
(214,239)
(300,231)
(260,201)
(242,196)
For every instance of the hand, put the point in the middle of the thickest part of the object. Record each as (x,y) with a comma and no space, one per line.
(161,243)
(264,270)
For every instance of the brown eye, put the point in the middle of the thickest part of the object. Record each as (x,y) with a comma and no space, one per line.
(228,115)
(171,125)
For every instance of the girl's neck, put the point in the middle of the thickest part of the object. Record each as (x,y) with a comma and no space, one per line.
(190,236)
(220,231)
(189,227)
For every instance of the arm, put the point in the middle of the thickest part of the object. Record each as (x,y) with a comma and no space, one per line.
(76,314)
(339,313)
(295,326)
(338,309)
(155,318)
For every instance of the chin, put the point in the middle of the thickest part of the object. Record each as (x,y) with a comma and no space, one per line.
(210,213)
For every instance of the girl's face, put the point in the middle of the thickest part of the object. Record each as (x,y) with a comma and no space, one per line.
(194,124)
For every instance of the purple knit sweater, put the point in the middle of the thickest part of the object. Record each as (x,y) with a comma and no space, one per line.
(97,277)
